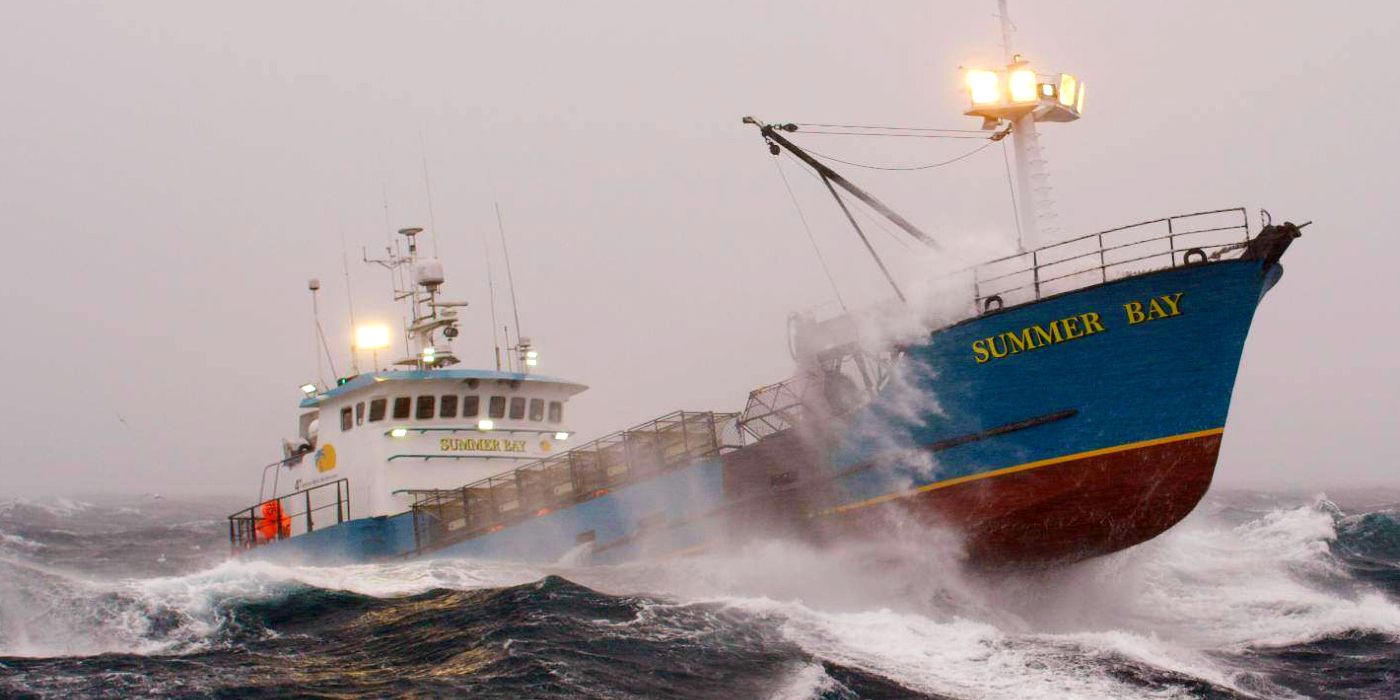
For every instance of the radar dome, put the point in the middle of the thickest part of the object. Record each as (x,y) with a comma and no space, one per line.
(428,272)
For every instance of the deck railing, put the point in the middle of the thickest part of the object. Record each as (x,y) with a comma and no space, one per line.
(1100,257)
(296,513)
(442,516)
(1096,258)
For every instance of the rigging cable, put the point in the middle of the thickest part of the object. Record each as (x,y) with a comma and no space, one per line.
(881,133)
(928,166)
(1011,188)
(863,239)
(888,128)
(875,220)
(803,217)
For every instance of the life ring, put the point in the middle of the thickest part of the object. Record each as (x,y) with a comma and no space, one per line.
(1201,256)
(987,304)
(274,523)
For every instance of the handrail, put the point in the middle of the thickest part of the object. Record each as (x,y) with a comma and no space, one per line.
(244,525)
(1116,229)
(262,483)
(985,290)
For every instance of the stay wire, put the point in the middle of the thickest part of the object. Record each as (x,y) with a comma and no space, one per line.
(880,133)
(869,217)
(863,239)
(928,166)
(890,128)
(849,217)
(1011,188)
(816,249)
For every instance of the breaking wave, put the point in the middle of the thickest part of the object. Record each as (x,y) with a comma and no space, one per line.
(1253,596)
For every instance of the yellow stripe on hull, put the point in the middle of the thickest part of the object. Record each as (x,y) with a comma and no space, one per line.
(1021,468)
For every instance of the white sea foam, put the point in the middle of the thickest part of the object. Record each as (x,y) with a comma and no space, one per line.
(46,612)
(908,613)
(903,609)
(18,543)
(807,681)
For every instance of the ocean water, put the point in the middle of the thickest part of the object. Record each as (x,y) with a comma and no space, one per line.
(1255,595)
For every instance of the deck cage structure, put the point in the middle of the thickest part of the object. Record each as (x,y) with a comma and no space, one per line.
(446,516)
(333,496)
(774,408)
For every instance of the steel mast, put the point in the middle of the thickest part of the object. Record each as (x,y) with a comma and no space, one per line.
(1017,95)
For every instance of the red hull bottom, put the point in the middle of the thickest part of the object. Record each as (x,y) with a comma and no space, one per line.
(1065,510)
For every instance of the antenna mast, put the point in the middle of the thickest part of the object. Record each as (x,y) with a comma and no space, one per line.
(429,314)
(428,187)
(522,346)
(314,285)
(350,303)
(491,294)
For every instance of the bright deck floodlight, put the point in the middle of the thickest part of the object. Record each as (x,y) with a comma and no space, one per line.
(1022,85)
(561,435)
(1017,90)
(398,432)
(1069,87)
(372,337)
(485,424)
(308,388)
(982,86)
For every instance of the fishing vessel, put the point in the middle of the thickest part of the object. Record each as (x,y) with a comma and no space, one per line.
(1073,405)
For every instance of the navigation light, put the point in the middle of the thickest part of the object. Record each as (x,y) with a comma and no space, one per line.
(532,358)
(485,424)
(372,337)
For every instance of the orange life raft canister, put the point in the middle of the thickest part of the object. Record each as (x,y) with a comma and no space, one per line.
(273,521)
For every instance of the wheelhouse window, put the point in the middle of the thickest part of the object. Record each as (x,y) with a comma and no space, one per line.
(403,407)
(537,410)
(497,407)
(376,409)
(347,418)
(517,407)
(426,404)
(447,406)
(471,405)
(556,411)
(360,413)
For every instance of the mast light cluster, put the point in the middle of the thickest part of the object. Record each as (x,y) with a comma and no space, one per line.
(1018,90)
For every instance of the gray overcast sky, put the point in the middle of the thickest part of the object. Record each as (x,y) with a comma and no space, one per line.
(171,173)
